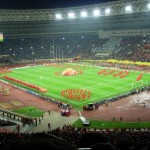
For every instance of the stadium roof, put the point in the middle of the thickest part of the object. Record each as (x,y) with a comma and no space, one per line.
(106,9)
(124,14)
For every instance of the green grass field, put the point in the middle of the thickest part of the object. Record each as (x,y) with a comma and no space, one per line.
(97,124)
(101,87)
(30,111)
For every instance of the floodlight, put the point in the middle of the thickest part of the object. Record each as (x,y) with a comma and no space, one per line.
(58,16)
(107,11)
(148,6)
(128,8)
(71,15)
(83,14)
(96,12)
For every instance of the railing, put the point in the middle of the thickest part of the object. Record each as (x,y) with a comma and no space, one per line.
(13,113)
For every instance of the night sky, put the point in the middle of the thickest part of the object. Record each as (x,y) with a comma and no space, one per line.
(46,4)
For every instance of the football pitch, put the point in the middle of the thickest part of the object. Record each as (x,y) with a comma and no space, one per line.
(101,86)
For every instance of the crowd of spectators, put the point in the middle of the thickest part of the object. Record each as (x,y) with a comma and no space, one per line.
(6,123)
(121,138)
(71,45)
(11,117)
(135,139)
(130,48)
(44,47)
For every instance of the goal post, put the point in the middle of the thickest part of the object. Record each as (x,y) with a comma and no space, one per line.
(140,84)
(137,84)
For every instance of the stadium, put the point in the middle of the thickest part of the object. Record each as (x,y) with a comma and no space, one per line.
(78,73)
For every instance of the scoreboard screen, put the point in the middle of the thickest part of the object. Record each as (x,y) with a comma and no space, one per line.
(1,37)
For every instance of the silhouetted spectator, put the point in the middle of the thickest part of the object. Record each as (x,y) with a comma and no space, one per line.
(39,121)
(18,128)
(49,112)
(49,126)
(121,119)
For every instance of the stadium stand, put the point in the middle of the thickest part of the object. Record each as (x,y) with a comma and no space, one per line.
(119,138)
(87,46)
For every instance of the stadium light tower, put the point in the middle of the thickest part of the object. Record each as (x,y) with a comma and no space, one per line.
(128,8)
(96,12)
(71,15)
(83,14)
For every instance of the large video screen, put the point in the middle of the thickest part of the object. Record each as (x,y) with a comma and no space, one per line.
(1,37)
